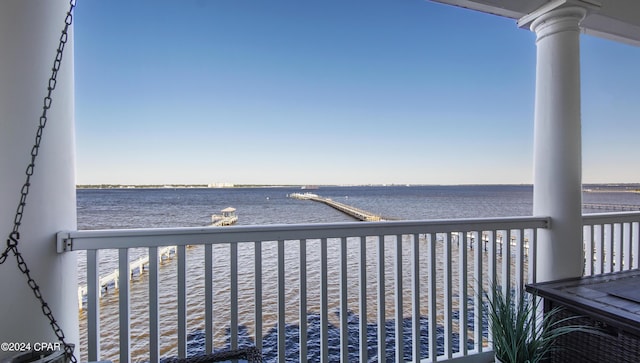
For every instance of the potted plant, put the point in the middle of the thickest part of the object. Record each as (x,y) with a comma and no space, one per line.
(520,333)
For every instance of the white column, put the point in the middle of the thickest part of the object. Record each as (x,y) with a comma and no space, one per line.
(557,143)
(29,34)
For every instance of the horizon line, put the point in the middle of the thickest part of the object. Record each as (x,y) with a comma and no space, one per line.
(241,185)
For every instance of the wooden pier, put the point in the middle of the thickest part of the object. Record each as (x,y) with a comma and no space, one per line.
(136,267)
(344,208)
(621,207)
(455,237)
(367,216)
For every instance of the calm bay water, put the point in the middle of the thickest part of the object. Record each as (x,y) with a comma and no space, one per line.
(148,208)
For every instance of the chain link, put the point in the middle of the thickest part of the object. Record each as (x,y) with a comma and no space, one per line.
(14,236)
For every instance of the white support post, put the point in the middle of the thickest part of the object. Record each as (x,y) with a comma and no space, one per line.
(557,143)
(29,35)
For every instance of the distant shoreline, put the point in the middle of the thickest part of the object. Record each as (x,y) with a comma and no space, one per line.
(611,188)
(588,188)
(175,186)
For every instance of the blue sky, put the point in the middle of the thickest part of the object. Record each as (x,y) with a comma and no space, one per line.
(328,92)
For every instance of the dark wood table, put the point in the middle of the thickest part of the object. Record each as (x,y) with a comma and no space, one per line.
(610,302)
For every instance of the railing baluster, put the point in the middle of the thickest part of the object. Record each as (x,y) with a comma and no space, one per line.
(599,240)
(519,240)
(506,261)
(462,287)
(381,301)
(616,246)
(182,301)
(344,300)
(233,328)
(533,250)
(303,301)
(597,256)
(605,253)
(610,250)
(493,273)
(208,298)
(635,242)
(431,240)
(364,356)
(399,300)
(281,304)
(154,307)
(93,305)
(594,247)
(448,293)
(415,298)
(258,293)
(587,236)
(608,247)
(492,259)
(123,303)
(324,309)
(626,242)
(477,296)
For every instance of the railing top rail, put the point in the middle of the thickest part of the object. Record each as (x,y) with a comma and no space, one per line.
(149,237)
(614,217)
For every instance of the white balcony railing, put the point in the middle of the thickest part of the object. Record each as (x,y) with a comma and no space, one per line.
(368,272)
(611,242)
(383,279)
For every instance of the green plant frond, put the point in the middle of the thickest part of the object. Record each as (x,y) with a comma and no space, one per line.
(520,333)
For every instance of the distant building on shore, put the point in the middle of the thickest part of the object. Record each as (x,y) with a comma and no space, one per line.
(221,185)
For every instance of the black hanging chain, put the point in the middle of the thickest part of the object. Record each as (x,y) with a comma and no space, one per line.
(14,236)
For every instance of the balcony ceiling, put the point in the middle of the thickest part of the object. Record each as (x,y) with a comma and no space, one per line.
(617,20)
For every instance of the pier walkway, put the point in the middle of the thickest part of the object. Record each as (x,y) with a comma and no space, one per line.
(622,207)
(135,267)
(368,216)
(344,208)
